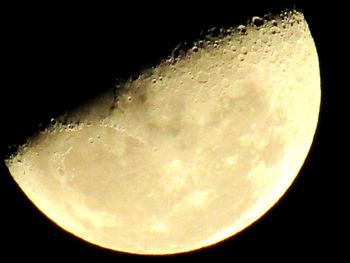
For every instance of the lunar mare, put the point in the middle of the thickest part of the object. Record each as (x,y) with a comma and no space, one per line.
(188,154)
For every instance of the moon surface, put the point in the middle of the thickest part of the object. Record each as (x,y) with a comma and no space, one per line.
(190,153)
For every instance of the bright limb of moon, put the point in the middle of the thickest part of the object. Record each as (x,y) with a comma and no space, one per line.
(192,153)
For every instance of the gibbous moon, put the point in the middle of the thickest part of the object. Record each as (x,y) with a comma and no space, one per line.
(191,152)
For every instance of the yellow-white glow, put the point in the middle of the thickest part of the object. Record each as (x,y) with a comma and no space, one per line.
(191,154)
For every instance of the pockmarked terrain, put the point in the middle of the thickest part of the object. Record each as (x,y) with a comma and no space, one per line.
(188,154)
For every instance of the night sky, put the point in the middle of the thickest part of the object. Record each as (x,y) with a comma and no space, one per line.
(55,57)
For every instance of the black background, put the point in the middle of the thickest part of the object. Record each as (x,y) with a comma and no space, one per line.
(54,57)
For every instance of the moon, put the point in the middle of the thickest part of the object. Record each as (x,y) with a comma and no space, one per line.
(191,152)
